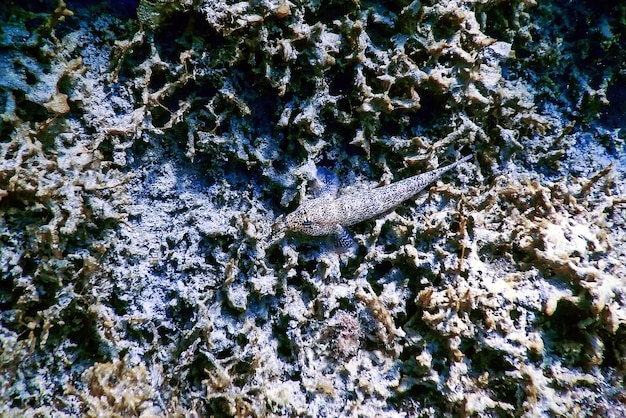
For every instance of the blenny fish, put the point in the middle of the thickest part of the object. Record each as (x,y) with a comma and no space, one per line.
(327,214)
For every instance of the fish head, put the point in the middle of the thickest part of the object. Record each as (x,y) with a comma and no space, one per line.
(300,221)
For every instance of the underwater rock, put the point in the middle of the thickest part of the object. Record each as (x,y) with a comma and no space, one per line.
(147,148)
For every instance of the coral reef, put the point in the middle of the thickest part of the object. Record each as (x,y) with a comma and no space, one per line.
(147,147)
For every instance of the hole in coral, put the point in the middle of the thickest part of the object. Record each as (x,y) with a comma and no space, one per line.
(613,113)
(31,111)
(81,329)
(382,269)
(508,390)
(275,256)
(40,6)
(515,314)
(160,116)
(9,294)
(341,82)
(30,78)
(131,65)
(158,78)
(562,331)
(217,407)
(32,24)
(175,36)
(124,9)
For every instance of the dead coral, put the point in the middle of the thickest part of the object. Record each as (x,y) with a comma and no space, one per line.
(347,333)
(117,390)
(544,231)
(508,301)
(59,201)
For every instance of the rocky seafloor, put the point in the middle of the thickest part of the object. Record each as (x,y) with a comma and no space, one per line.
(146,149)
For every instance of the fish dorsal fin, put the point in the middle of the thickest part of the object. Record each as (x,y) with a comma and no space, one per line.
(326,184)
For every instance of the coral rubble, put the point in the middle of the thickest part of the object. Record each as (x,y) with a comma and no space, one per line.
(147,147)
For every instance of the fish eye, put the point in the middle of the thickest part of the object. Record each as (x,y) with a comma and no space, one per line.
(307,223)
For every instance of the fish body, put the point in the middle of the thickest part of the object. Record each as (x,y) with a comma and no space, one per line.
(329,215)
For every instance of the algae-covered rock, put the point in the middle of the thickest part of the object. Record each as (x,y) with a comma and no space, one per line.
(147,147)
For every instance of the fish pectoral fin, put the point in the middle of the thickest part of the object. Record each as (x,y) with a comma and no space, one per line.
(327,183)
(343,238)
